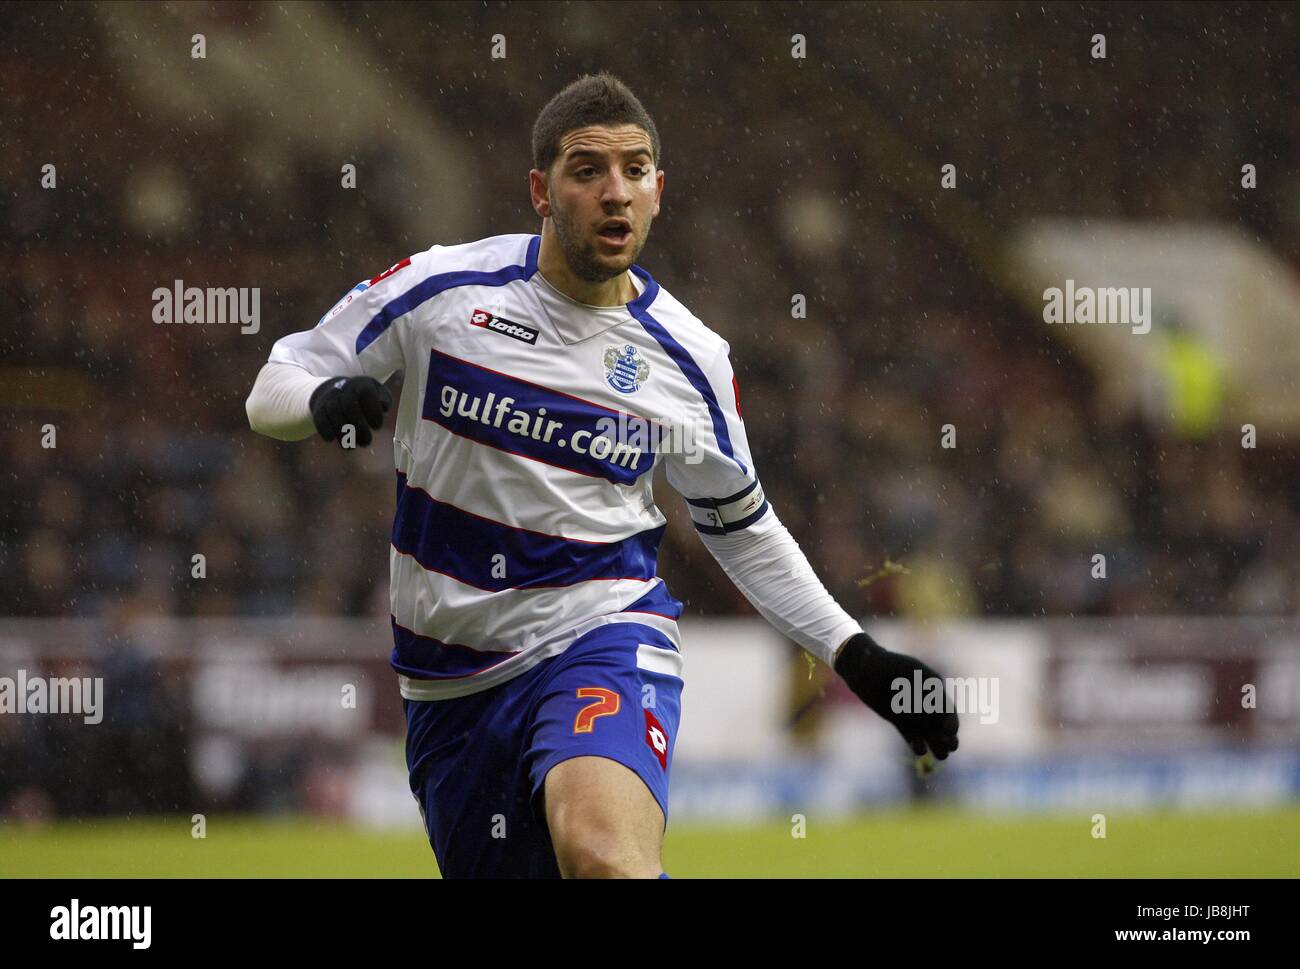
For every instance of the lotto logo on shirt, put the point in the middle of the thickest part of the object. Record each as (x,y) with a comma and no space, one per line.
(498,324)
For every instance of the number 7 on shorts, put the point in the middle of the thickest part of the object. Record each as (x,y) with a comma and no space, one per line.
(606,703)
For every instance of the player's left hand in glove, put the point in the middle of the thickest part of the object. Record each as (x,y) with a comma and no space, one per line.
(870,670)
(359,401)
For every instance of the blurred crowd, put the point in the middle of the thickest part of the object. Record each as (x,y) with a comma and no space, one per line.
(766,196)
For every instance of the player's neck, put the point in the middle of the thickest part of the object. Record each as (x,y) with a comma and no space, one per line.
(555,270)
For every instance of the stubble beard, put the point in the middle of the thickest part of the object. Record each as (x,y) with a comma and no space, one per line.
(580,252)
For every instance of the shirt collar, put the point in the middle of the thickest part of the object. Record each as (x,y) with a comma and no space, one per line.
(575,321)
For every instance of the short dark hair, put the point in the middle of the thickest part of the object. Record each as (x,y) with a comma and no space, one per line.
(592,99)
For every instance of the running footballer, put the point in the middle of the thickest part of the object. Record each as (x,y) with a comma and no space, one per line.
(546,376)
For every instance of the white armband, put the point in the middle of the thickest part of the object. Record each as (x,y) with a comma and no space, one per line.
(725,515)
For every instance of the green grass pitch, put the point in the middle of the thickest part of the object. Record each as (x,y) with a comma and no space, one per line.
(899,843)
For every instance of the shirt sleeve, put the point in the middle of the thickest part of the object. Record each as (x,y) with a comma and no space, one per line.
(713,469)
(279,404)
(740,528)
(358,336)
(766,564)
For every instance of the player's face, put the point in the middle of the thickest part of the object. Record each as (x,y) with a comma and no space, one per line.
(602,174)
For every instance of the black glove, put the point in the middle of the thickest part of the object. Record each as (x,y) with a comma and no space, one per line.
(870,671)
(359,401)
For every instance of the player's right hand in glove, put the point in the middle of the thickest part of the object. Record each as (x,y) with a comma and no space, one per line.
(871,671)
(358,401)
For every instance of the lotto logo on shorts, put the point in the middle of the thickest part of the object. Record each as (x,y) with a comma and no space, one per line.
(657,738)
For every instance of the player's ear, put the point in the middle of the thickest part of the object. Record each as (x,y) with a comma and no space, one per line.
(659,191)
(540,192)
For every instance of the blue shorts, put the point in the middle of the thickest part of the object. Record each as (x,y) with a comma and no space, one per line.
(477,762)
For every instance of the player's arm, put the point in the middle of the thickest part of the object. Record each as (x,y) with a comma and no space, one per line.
(760,556)
(330,378)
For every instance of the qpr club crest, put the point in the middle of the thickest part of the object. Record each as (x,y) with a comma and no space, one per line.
(624,370)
